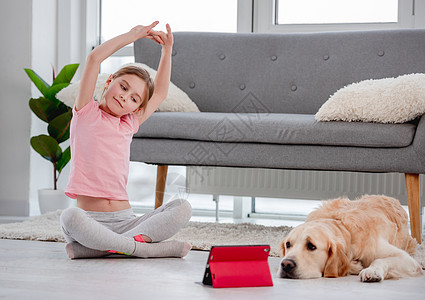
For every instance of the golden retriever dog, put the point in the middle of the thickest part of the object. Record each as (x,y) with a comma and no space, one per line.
(368,236)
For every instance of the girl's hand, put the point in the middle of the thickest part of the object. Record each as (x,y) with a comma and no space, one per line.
(162,38)
(143,31)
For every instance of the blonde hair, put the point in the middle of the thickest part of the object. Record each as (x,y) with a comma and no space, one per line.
(142,74)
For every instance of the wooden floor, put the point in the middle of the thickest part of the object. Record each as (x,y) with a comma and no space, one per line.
(41,270)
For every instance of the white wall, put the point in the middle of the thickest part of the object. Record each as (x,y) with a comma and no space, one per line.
(36,34)
(15,91)
(60,36)
(28,34)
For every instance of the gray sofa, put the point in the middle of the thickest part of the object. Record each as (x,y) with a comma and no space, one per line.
(258,94)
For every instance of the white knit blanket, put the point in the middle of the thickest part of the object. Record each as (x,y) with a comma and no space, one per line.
(201,235)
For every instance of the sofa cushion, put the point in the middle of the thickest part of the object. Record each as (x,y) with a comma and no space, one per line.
(387,100)
(176,100)
(285,129)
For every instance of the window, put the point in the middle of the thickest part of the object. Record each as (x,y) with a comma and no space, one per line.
(336,11)
(183,15)
(230,16)
(334,15)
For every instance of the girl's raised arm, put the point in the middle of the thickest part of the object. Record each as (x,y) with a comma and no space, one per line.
(102,52)
(162,78)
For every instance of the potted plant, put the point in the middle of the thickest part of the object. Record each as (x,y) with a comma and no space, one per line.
(58,116)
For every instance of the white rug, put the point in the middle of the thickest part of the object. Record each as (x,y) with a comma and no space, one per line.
(201,235)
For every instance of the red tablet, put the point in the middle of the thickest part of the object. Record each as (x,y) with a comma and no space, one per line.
(238,266)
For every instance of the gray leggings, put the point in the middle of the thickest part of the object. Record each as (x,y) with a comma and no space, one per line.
(115,230)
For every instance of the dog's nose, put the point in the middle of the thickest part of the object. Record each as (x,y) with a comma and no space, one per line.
(288,265)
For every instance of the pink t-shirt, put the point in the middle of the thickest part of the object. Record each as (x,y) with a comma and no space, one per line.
(100,153)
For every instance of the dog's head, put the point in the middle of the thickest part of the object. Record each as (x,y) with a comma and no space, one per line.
(315,249)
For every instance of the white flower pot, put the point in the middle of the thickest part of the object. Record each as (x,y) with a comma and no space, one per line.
(52,200)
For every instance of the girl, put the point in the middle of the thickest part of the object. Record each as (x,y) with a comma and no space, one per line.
(103,221)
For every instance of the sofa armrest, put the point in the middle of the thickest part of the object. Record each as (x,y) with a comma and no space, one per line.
(419,141)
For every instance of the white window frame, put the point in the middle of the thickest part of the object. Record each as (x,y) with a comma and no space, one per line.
(244,24)
(77,32)
(411,14)
(255,16)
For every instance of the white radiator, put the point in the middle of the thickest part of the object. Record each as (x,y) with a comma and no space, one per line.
(312,185)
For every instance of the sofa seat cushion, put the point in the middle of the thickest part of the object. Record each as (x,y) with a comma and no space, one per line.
(285,129)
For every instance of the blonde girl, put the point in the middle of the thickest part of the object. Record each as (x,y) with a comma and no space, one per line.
(103,221)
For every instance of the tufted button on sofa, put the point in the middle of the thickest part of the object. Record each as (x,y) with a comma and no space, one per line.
(258,94)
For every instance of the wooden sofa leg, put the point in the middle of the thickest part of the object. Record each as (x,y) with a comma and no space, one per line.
(414,202)
(161,178)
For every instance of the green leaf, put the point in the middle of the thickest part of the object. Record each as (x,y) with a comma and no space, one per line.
(47,147)
(53,90)
(59,127)
(42,108)
(66,156)
(64,108)
(42,86)
(61,81)
(46,109)
(66,74)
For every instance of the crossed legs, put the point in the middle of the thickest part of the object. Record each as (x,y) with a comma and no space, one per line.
(92,234)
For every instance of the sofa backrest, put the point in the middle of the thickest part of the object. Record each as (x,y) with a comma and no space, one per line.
(282,73)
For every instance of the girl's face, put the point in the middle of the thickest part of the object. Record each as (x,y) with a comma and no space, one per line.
(124,95)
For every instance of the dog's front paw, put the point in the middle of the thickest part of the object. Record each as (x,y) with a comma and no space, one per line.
(371,275)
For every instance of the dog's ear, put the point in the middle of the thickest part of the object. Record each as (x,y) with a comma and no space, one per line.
(337,264)
(282,246)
